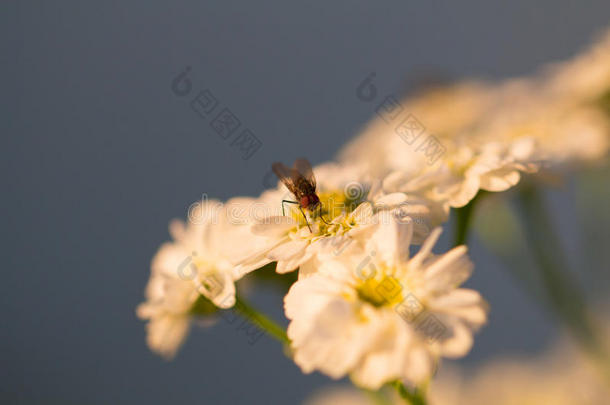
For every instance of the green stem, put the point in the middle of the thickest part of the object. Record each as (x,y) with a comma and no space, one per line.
(261,320)
(416,397)
(377,397)
(561,289)
(463,219)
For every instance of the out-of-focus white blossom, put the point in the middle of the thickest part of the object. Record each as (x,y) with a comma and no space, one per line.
(440,111)
(562,376)
(197,262)
(586,77)
(493,166)
(483,136)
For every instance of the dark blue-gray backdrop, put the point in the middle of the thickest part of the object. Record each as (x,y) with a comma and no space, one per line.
(98,154)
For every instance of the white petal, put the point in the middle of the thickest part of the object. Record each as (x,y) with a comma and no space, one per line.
(459,298)
(218,288)
(292,263)
(288,250)
(166,334)
(256,260)
(384,360)
(419,364)
(306,297)
(426,248)
(392,238)
(462,303)
(468,189)
(449,270)
(458,340)
(274,226)
(523,148)
(334,344)
(390,200)
(308,268)
(363,213)
(177,229)
(500,180)
(173,260)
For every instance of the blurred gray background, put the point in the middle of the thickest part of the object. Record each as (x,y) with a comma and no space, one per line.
(98,154)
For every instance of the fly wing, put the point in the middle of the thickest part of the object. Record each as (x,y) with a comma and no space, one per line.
(286,176)
(304,171)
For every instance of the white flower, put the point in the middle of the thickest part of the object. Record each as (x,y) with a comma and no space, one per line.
(484,136)
(291,243)
(441,111)
(193,264)
(449,169)
(380,316)
(456,179)
(288,239)
(167,310)
(348,207)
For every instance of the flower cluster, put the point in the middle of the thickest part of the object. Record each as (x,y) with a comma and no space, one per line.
(490,134)
(372,301)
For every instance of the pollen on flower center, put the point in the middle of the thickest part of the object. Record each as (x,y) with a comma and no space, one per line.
(381,292)
(334,204)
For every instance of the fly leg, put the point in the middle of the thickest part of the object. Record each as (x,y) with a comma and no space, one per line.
(301,209)
(306,221)
(289,202)
(320,213)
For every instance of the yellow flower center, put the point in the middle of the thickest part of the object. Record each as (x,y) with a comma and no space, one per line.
(333,204)
(381,291)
